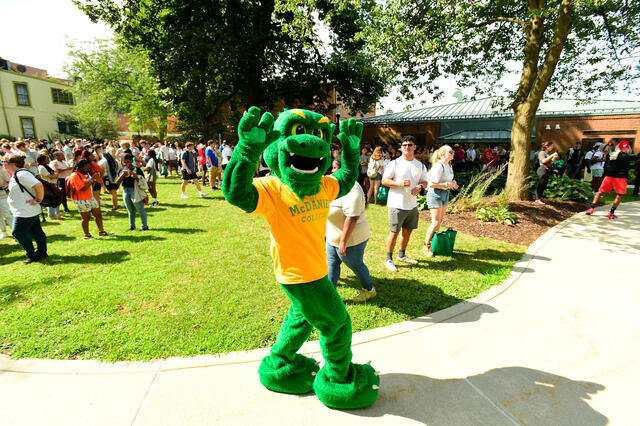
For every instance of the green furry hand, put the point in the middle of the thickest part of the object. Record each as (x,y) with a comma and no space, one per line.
(257,132)
(350,135)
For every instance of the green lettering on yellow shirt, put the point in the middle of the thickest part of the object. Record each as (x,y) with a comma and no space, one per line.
(307,206)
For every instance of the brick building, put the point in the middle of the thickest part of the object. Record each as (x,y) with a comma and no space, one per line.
(487,121)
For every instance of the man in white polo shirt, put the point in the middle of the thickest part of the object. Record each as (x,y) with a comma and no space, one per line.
(405,176)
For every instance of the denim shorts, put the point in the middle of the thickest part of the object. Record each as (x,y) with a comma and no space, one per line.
(437,198)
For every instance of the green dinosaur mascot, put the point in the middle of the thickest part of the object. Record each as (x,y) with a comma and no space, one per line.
(295,202)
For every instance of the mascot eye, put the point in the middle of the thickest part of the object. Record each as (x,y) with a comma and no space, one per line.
(318,133)
(298,130)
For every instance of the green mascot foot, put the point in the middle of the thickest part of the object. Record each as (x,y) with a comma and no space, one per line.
(361,389)
(296,377)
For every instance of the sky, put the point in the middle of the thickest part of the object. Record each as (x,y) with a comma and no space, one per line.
(45,27)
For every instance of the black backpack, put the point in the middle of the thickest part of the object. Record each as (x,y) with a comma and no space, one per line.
(53,195)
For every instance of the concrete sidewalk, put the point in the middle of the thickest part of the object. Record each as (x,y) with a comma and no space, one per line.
(557,344)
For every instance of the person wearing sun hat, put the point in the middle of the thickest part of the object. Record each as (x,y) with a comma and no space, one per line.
(616,176)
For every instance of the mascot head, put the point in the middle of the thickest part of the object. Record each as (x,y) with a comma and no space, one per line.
(302,153)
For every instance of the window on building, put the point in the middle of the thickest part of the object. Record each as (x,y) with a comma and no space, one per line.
(66,127)
(22,94)
(62,97)
(28,129)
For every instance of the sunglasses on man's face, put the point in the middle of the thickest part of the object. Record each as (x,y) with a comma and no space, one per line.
(407,144)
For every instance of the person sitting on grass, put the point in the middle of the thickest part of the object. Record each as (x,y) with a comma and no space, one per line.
(129,175)
(82,194)
(347,236)
(616,176)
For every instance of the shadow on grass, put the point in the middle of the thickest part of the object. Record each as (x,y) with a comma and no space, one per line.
(147,236)
(59,237)
(407,296)
(482,261)
(181,230)
(524,395)
(415,298)
(173,206)
(12,292)
(102,258)
(5,259)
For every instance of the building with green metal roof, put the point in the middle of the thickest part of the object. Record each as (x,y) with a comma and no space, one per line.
(489,121)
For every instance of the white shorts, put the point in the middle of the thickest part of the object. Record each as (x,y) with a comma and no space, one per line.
(84,206)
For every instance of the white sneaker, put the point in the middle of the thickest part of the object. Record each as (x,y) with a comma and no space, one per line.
(365,295)
(203,194)
(183,195)
(406,259)
(3,235)
(390,266)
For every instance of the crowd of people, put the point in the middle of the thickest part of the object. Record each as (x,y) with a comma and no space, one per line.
(82,170)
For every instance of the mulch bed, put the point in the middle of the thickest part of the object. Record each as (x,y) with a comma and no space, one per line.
(533,220)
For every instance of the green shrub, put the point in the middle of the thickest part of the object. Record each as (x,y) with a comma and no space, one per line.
(472,194)
(6,137)
(564,188)
(422,202)
(496,214)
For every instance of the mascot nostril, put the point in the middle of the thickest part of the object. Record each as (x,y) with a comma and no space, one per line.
(295,202)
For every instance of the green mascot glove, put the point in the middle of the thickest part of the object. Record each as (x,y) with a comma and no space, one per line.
(255,135)
(350,137)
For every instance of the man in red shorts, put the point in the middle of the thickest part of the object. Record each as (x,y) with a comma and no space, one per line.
(618,164)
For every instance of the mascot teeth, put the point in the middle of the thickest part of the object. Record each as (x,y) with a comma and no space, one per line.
(312,171)
(306,165)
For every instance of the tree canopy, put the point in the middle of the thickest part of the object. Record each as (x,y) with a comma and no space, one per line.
(217,58)
(107,79)
(568,48)
(595,43)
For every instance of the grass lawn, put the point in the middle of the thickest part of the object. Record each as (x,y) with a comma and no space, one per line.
(200,282)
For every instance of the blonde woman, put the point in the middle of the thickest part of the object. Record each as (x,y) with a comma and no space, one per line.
(440,182)
(375,165)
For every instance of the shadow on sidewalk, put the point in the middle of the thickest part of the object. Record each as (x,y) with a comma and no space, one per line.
(472,312)
(616,235)
(528,396)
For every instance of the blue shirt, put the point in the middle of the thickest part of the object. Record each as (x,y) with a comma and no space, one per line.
(212,159)
(187,156)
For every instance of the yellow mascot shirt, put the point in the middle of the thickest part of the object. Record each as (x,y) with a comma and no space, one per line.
(297,228)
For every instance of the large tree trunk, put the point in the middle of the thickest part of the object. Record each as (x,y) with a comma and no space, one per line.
(533,83)
(518,177)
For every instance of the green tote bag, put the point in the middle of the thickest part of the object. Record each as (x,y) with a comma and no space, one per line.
(383,194)
(443,242)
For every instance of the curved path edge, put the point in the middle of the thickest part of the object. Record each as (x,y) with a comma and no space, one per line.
(53,366)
